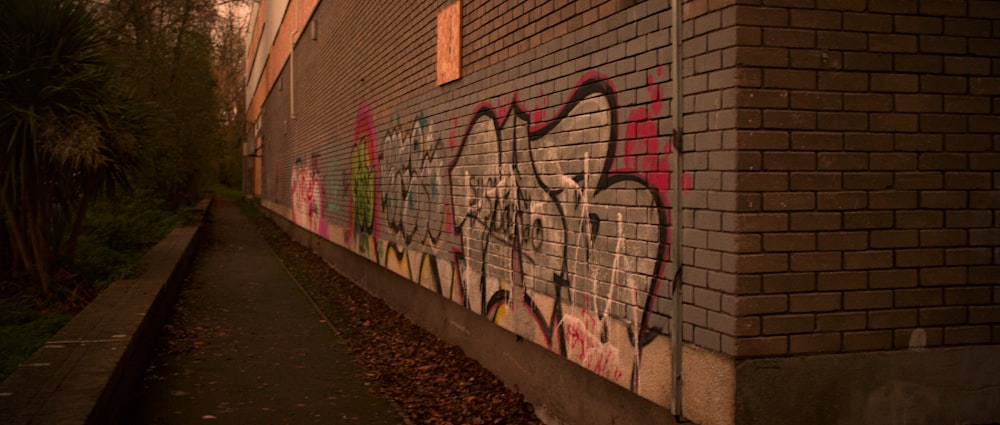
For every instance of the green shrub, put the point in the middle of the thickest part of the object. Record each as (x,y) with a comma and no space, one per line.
(24,328)
(117,232)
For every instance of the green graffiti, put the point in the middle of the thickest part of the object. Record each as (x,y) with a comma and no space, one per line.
(363,188)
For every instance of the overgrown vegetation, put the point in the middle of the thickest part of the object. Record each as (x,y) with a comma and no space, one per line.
(70,132)
(117,233)
(23,328)
(114,115)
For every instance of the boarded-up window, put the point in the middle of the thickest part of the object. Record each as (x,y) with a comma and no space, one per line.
(449,43)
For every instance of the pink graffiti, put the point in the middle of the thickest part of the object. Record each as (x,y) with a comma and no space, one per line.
(307,197)
(584,344)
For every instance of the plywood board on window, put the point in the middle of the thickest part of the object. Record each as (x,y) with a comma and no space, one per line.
(449,43)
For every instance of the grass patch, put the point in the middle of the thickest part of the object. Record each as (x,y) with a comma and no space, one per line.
(249,209)
(222,190)
(23,328)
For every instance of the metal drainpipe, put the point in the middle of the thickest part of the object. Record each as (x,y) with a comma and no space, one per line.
(676,210)
(291,61)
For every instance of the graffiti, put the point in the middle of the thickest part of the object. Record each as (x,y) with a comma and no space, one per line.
(307,196)
(585,345)
(415,206)
(551,222)
(363,176)
(362,188)
(557,202)
(413,199)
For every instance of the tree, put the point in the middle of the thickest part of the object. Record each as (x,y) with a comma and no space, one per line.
(68,129)
(230,72)
(168,45)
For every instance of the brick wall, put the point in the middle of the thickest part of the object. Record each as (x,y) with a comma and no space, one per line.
(842,163)
(869,131)
(533,190)
(710,84)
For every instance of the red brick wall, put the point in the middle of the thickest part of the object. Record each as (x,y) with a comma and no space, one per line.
(868,134)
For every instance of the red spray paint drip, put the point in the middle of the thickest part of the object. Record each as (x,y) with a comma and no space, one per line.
(642,153)
(539,114)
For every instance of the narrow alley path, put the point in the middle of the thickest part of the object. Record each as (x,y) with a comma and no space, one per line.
(246,346)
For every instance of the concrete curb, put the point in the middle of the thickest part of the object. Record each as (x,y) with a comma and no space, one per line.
(87,372)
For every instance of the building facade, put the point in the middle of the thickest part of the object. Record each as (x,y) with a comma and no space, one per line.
(509,175)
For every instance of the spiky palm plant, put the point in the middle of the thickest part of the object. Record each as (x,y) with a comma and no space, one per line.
(65,131)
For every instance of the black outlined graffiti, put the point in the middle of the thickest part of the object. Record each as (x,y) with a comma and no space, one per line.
(539,204)
(412,186)
(556,228)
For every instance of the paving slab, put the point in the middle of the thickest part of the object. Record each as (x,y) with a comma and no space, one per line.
(246,346)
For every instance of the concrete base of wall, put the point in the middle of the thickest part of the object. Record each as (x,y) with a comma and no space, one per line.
(926,386)
(929,386)
(561,391)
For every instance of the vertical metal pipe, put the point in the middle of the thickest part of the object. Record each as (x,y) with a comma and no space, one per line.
(676,208)
(291,61)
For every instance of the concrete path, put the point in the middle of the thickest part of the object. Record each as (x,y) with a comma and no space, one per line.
(246,346)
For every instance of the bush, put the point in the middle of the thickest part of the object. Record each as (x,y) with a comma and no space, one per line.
(117,232)
(24,328)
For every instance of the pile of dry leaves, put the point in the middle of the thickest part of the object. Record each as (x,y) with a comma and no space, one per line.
(432,381)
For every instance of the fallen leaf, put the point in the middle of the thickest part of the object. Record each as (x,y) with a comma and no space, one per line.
(432,381)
